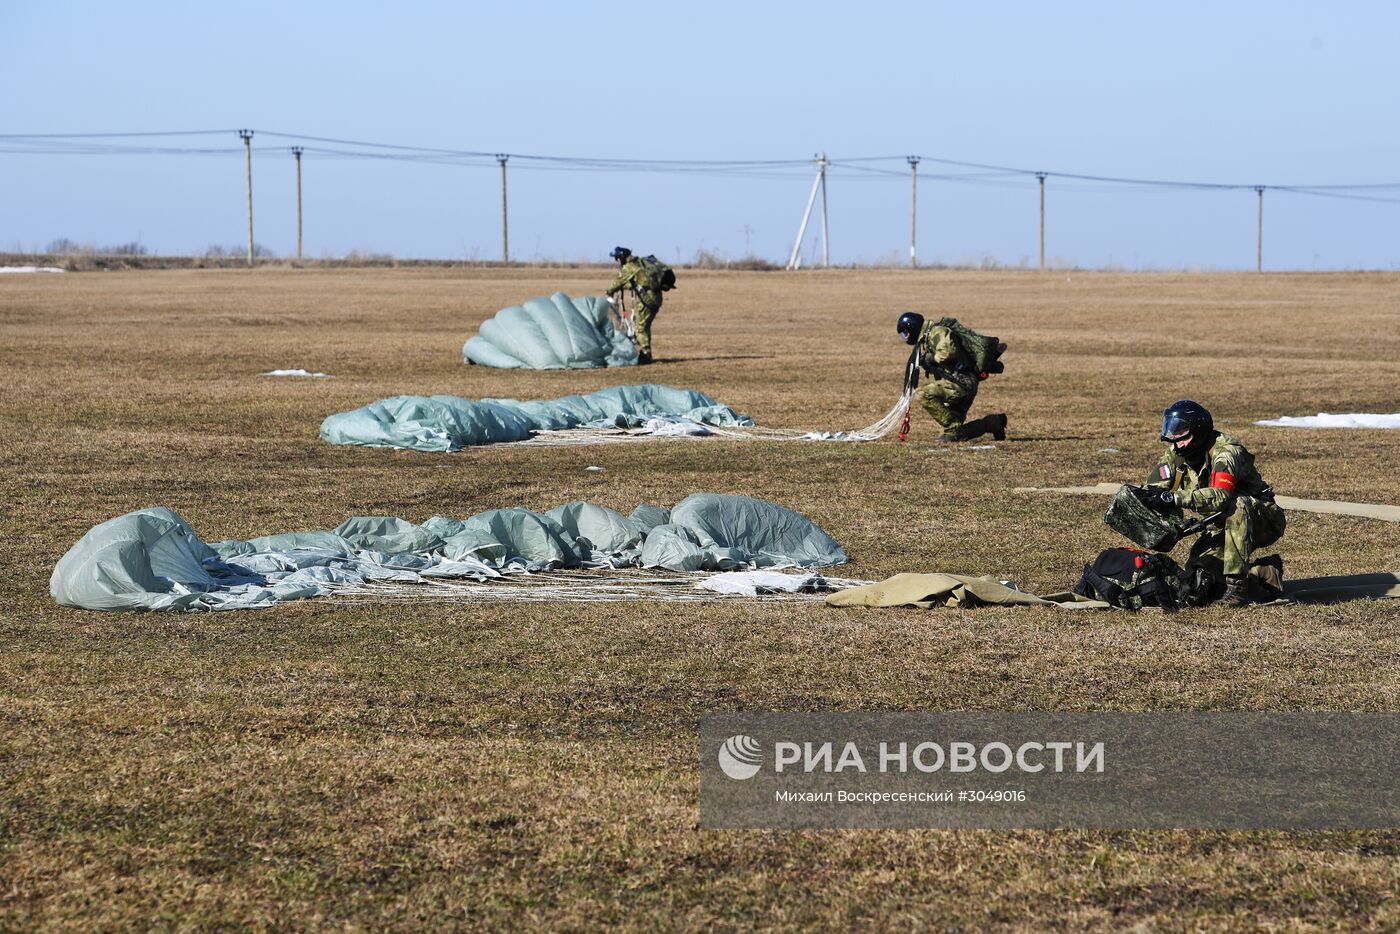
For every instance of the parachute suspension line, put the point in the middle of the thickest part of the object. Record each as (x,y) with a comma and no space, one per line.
(575,586)
(887,425)
(897,418)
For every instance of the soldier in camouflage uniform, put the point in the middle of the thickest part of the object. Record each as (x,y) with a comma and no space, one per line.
(633,275)
(1207,471)
(950,394)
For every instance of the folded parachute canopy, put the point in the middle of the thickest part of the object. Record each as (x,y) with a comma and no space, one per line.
(152,560)
(450,423)
(554,333)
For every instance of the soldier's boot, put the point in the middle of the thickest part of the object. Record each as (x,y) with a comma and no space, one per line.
(997,423)
(643,357)
(1236,592)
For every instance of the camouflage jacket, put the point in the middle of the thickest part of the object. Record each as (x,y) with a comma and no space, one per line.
(941,355)
(633,275)
(1226,472)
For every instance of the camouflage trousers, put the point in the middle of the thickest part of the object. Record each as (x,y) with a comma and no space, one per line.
(1250,524)
(948,401)
(642,316)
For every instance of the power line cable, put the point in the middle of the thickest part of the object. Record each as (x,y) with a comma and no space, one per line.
(991,174)
(1336,194)
(112,135)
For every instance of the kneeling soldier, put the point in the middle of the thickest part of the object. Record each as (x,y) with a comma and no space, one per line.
(1206,471)
(950,394)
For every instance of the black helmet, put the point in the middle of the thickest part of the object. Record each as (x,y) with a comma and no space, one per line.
(909,325)
(620,253)
(1187,419)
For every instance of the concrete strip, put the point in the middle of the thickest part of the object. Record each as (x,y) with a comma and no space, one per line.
(1326,506)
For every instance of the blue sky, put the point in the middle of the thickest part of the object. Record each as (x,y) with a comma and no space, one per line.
(1245,93)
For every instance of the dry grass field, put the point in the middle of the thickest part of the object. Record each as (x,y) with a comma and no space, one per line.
(411,766)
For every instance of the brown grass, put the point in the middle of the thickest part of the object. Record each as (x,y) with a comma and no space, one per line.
(418,767)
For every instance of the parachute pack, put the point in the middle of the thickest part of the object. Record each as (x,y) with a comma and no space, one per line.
(659,276)
(1132,579)
(983,350)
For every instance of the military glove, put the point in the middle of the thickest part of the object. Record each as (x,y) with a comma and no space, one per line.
(1169,499)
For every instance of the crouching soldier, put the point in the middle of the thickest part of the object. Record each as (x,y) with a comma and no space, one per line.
(945,356)
(1206,471)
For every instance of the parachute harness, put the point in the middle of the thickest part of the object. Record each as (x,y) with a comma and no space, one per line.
(911,382)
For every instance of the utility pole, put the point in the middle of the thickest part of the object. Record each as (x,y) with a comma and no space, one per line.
(821,174)
(247,137)
(296,151)
(1259,242)
(795,260)
(505,226)
(913,208)
(1041,176)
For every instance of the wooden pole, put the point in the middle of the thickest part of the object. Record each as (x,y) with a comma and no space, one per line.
(1259,240)
(296,151)
(1041,176)
(913,209)
(826,253)
(247,137)
(505,225)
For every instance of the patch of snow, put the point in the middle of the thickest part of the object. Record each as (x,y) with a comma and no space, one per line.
(1108,450)
(31,269)
(298,373)
(1323,420)
(594,469)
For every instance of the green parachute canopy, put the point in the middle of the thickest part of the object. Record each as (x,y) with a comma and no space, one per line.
(450,423)
(152,560)
(554,333)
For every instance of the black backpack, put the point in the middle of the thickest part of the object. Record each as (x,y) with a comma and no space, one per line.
(659,276)
(1132,579)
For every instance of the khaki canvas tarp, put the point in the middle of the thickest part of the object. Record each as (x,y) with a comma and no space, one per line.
(927,591)
(952,590)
